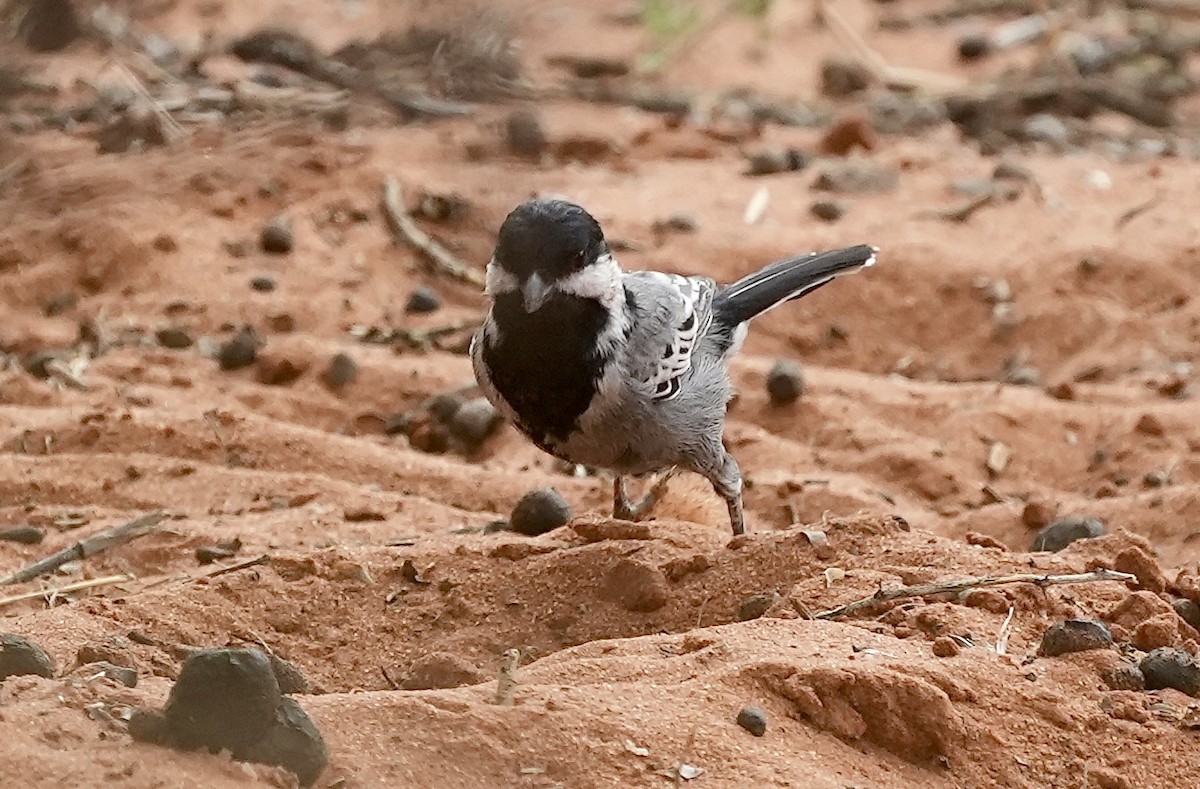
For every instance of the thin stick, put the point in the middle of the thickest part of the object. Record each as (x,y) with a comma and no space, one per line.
(973,583)
(404,229)
(507,681)
(1005,631)
(88,546)
(233,568)
(54,591)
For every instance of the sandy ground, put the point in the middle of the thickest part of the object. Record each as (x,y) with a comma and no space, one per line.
(885,452)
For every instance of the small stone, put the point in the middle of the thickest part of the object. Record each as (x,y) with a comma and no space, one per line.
(277,237)
(973,46)
(1150,425)
(1167,667)
(475,422)
(440,670)
(1123,676)
(1188,611)
(1063,390)
(775,160)
(25,535)
(1074,635)
(422,300)
(20,656)
(340,373)
(540,511)
(174,337)
(524,133)
(827,210)
(362,515)
(1064,531)
(263,284)
(843,76)
(636,586)
(444,406)
(945,646)
(846,134)
(280,371)
(853,177)
(1158,631)
(1036,514)
(753,720)
(224,699)
(785,383)
(47,25)
(239,351)
(293,742)
(1136,561)
(122,675)
(991,600)
(59,304)
(1047,128)
(756,605)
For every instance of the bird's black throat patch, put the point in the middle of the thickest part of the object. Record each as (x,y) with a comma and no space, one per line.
(546,364)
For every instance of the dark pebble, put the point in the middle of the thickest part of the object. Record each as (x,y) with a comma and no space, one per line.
(785,383)
(59,304)
(423,300)
(827,210)
(239,351)
(280,372)
(263,284)
(19,656)
(341,372)
(288,676)
(843,76)
(1167,667)
(26,535)
(753,720)
(224,699)
(540,511)
(37,364)
(474,422)
(48,25)
(774,161)
(277,236)
(1064,531)
(973,47)
(149,726)
(293,743)
(1188,611)
(443,407)
(207,554)
(1074,635)
(756,605)
(174,337)
(524,134)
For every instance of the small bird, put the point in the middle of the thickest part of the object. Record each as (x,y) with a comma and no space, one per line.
(623,371)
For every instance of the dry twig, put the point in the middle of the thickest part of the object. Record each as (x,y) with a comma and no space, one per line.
(232,568)
(405,229)
(884,595)
(88,546)
(54,591)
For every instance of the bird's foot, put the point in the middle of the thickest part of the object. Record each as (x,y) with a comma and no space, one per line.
(626,510)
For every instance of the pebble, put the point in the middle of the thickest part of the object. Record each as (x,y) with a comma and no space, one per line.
(1150,425)
(785,383)
(1047,128)
(1188,611)
(636,586)
(945,646)
(1167,667)
(775,160)
(827,210)
(1074,635)
(25,535)
(280,371)
(59,304)
(540,511)
(174,337)
(1064,531)
(290,679)
(474,422)
(224,698)
(122,675)
(422,301)
(277,236)
(973,46)
(48,25)
(20,656)
(293,742)
(846,134)
(263,284)
(240,350)
(1036,514)
(756,605)
(753,720)
(525,134)
(340,372)
(444,406)
(843,76)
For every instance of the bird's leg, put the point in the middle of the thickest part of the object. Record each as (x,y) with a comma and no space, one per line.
(727,482)
(628,511)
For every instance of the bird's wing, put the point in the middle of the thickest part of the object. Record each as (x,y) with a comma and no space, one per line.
(670,314)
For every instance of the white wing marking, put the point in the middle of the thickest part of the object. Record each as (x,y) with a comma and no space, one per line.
(695,317)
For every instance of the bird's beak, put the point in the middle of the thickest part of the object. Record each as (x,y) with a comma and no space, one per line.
(534,292)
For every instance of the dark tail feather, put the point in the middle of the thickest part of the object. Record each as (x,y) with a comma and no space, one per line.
(786,280)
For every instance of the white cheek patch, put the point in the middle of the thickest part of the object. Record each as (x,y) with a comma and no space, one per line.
(499,281)
(600,280)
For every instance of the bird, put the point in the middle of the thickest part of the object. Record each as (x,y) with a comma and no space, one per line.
(623,371)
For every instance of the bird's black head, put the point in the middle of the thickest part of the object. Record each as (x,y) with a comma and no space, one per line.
(551,238)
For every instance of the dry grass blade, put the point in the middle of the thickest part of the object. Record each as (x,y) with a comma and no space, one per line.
(55,591)
(405,229)
(884,595)
(1005,632)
